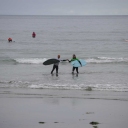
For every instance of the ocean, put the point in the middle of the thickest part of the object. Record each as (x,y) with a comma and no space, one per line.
(102,41)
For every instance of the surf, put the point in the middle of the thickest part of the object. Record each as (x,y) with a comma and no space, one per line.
(106,60)
(91,60)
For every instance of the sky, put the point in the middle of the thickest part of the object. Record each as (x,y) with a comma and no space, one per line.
(63,7)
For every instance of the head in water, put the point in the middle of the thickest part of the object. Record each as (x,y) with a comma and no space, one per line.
(58,56)
(74,56)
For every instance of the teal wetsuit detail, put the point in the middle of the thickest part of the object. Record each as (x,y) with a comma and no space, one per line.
(75,67)
(74,59)
(77,60)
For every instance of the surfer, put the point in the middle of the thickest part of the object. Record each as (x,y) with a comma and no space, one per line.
(73,59)
(33,34)
(9,39)
(56,65)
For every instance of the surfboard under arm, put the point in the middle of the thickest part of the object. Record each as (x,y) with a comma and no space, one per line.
(76,63)
(50,61)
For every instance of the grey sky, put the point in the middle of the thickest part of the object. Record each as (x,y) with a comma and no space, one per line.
(64,7)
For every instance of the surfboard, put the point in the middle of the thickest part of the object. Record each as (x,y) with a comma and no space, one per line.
(77,64)
(50,61)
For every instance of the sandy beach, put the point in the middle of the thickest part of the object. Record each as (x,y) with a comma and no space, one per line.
(49,108)
(30,97)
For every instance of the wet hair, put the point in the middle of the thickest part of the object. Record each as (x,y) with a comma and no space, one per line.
(74,55)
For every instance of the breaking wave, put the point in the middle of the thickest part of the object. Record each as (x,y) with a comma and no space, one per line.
(95,60)
(104,60)
(92,60)
(30,60)
(65,86)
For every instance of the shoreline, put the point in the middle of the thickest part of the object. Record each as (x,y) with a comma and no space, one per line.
(32,108)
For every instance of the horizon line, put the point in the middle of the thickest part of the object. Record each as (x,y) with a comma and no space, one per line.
(58,15)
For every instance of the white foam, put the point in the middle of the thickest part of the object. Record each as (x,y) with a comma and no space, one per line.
(106,60)
(97,60)
(96,87)
(65,86)
(30,60)
(54,86)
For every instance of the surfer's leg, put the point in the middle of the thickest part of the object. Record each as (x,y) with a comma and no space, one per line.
(53,69)
(56,69)
(73,70)
(77,69)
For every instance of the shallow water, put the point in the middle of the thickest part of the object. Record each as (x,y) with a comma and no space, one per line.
(100,40)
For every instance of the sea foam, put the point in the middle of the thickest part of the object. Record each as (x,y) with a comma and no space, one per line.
(31,60)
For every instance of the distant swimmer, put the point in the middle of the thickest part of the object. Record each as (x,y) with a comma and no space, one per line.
(9,39)
(33,34)
(56,65)
(73,59)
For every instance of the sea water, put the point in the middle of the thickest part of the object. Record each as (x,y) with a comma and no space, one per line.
(102,41)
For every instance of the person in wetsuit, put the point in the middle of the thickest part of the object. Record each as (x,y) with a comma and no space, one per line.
(56,65)
(33,34)
(9,39)
(73,59)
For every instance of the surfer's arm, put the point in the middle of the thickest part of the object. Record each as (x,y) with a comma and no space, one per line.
(79,62)
(69,60)
(64,60)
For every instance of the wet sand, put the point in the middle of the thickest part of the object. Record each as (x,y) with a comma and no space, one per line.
(37,108)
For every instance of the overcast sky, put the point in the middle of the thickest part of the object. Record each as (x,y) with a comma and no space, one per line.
(63,7)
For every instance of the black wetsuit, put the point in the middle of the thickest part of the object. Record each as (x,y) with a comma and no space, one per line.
(73,69)
(56,66)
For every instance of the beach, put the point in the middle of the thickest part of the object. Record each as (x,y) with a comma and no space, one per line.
(30,97)
(30,108)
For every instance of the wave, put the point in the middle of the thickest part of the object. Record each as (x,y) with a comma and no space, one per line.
(92,60)
(65,86)
(7,60)
(30,60)
(92,87)
(105,60)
